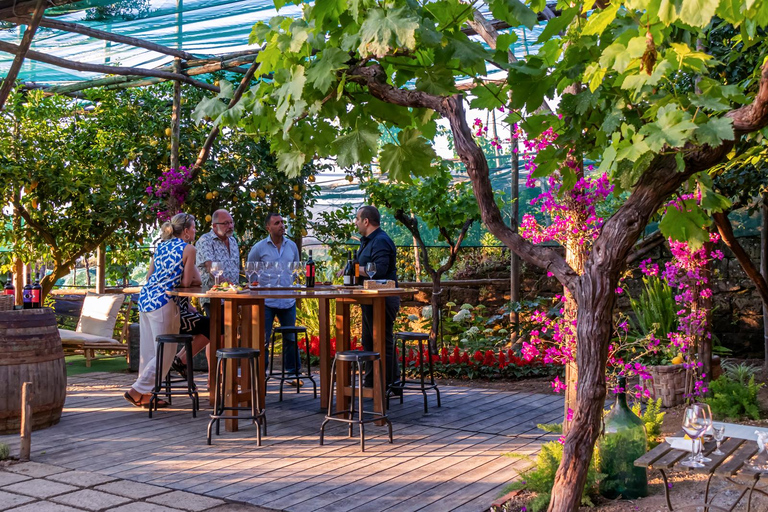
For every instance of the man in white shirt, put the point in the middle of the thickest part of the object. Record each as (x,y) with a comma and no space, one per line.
(219,245)
(276,247)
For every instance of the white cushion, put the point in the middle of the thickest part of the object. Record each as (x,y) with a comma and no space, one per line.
(68,336)
(99,314)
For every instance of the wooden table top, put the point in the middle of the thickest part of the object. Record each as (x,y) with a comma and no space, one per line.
(295,293)
(736,455)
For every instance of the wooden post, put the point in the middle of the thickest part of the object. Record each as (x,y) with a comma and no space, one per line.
(26,421)
(101,268)
(26,42)
(176,117)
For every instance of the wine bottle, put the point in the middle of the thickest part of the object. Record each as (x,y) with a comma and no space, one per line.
(310,271)
(37,293)
(9,289)
(349,271)
(27,293)
(356,268)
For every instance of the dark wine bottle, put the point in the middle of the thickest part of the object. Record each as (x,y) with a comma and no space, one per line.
(310,271)
(9,289)
(349,271)
(27,293)
(37,293)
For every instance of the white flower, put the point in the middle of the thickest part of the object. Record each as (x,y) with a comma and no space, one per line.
(463,314)
(426,312)
(473,331)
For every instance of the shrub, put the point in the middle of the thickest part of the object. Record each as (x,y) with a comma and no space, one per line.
(541,478)
(5,451)
(731,399)
(653,418)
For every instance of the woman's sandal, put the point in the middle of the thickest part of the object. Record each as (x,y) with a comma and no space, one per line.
(179,367)
(138,403)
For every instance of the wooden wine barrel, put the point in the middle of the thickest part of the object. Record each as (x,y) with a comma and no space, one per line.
(30,351)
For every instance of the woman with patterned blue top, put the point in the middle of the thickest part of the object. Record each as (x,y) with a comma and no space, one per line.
(172,266)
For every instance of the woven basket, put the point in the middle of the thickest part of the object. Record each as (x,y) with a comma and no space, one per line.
(7,302)
(668,383)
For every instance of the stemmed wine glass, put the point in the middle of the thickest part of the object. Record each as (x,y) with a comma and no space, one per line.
(217,270)
(302,272)
(719,431)
(258,268)
(370,269)
(708,422)
(250,269)
(694,424)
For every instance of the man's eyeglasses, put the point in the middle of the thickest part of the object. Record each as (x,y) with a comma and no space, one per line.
(227,223)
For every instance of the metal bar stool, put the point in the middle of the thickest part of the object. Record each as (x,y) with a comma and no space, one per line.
(413,385)
(168,387)
(357,358)
(258,415)
(295,330)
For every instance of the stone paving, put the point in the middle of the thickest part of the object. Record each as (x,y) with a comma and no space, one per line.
(36,487)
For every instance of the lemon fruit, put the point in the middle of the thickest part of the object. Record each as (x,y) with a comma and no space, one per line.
(677,359)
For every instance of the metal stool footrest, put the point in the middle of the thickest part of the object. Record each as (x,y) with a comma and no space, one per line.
(356,358)
(283,376)
(414,385)
(257,413)
(164,384)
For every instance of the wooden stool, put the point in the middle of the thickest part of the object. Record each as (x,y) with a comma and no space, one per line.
(357,358)
(258,414)
(165,382)
(411,385)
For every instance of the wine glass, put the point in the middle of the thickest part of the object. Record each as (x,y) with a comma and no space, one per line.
(301,272)
(708,422)
(250,269)
(693,425)
(258,269)
(217,270)
(762,446)
(719,431)
(370,269)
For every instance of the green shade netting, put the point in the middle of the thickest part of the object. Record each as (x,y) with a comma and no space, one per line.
(201,27)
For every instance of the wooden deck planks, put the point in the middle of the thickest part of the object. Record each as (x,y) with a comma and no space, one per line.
(449,459)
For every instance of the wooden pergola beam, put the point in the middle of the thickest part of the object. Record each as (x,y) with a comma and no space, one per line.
(21,51)
(223,62)
(99,68)
(66,26)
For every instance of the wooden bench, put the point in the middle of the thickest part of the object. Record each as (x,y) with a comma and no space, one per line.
(96,329)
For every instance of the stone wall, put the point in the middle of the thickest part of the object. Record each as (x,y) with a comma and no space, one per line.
(737,314)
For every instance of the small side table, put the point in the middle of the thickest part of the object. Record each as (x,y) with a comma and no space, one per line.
(730,466)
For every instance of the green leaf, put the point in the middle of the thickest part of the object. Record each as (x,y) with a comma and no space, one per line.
(322,72)
(327,9)
(711,201)
(384,31)
(599,21)
(687,224)
(557,24)
(226,90)
(436,80)
(673,127)
(514,12)
(594,75)
(715,131)
(290,163)
(208,107)
(259,33)
(357,147)
(471,55)
(615,56)
(413,155)
(698,13)
(668,11)
(487,97)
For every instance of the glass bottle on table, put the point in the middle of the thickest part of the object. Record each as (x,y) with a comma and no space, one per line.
(310,272)
(623,442)
(27,293)
(356,269)
(9,289)
(349,271)
(37,293)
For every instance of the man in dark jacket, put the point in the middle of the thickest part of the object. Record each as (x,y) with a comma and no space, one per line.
(376,247)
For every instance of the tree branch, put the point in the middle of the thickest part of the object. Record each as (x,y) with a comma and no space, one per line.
(109,70)
(472,156)
(645,246)
(106,36)
(21,52)
(726,232)
(754,116)
(39,228)
(455,248)
(412,225)
(205,152)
